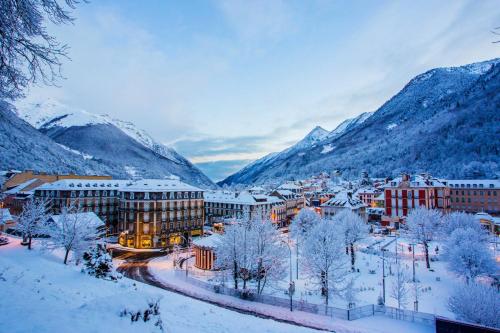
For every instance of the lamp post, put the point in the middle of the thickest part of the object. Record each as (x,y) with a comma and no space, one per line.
(291,285)
(383,274)
(187,258)
(413,259)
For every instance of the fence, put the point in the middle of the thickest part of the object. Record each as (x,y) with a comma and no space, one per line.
(320,309)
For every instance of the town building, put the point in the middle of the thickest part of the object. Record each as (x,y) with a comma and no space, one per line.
(367,195)
(159,213)
(98,196)
(474,196)
(19,186)
(342,201)
(490,223)
(291,186)
(223,205)
(145,213)
(406,192)
(204,251)
(293,203)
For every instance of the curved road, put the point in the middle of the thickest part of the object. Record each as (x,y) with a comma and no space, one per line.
(135,266)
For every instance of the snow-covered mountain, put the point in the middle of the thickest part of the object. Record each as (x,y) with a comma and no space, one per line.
(349,124)
(23,147)
(444,121)
(121,149)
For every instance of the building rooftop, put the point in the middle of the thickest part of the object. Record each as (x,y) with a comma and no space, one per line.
(344,199)
(208,241)
(420,181)
(474,183)
(241,198)
(88,217)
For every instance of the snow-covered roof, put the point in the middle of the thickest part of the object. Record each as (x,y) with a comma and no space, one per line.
(5,215)
(289,186)
(83,184)
(142,185)
(208,241)
(344,199)
(474,183)
(486,216)
(22,186)
(242,198)
(158,185)
(418,181)
(367,190)
(89,217)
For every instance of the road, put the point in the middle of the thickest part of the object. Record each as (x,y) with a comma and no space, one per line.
(135,266)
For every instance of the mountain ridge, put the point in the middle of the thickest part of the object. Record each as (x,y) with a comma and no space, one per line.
(460,94)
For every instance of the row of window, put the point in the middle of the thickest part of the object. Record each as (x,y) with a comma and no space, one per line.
(161,195)
(471,185)
(481,200)
(469,192)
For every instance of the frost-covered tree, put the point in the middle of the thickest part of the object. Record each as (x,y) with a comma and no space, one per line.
(268,252)
(301,224)
(468,255)
(31,220)
(73,230)
(353,228)
(323,257)
(28,53)
(422,226)
(461,220)
(476,303)
(350,293)
(98,262)
(399,289)
(227,251)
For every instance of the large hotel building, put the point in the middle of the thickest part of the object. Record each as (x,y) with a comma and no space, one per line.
(148,213)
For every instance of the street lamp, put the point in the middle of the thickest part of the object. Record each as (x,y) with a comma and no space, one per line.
(413,257)
(187,258)
(383,273)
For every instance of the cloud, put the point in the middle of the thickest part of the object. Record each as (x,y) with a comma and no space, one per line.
(219,170)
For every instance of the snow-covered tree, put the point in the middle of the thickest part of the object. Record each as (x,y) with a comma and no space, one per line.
(476,303)
(301,224)
(27,52)
(350,293)
(269,253)
(399,289)
(422,226)
(468,255)
(98,262)
(323,257)
(73,230)
(227,251)
(461,220)
(353,228)
(31,220)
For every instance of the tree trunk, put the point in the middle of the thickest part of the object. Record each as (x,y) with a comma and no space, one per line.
(346,249)
(66,257)
(235,275)
(426,249)
(29,242)
(353,256)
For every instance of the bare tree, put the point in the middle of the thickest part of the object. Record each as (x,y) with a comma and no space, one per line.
(32,219)
(399,290)
(73,230)
(28,53)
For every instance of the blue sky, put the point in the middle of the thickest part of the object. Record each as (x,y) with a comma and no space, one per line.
(226,82)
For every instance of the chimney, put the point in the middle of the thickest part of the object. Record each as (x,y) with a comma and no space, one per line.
(405,177)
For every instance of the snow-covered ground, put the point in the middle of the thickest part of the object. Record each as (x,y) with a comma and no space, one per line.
(40,294)
(436,284)
(162,268)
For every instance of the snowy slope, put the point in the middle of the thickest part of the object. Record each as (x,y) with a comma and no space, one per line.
(444,121)
(349,124)
(122,148)
(40,294)
(23,147)
(52,113)
(314,137)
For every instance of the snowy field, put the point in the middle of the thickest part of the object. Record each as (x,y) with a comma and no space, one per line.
(39,294)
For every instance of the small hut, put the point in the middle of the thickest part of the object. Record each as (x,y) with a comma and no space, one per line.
(204,251)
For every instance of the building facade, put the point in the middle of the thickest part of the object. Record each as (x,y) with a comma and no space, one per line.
(159,213)
(475,196)
(144,213)
(407,192)
(293,204)
(344,200)
(221,205)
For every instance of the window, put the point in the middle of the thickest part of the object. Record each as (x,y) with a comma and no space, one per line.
(164,196)
(146,196)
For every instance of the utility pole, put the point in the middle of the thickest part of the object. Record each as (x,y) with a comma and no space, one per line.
(383,274)
(413,255)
